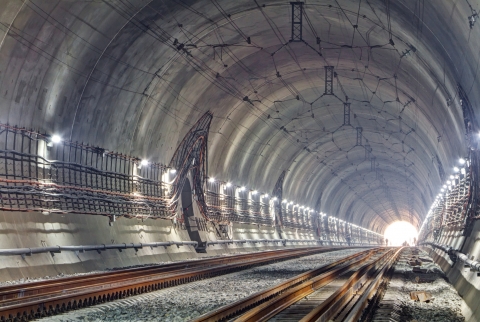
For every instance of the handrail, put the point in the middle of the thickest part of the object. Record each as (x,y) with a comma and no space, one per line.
(283,241)
(99,248)
(254,241)
(103,247)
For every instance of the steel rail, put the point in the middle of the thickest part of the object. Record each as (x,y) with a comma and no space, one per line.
(27,289)
(34,288)
(371,289)
(269,309)
(279,294)
(369,272)
(31,300)
(336,302)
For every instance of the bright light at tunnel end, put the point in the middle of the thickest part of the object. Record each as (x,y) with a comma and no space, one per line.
(400,232)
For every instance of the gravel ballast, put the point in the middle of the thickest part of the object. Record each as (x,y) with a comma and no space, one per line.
(446,303)
(188,301)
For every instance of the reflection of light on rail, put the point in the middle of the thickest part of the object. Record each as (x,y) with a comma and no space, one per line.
(400,232)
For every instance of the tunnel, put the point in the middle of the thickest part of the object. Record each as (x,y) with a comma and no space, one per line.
(143,131)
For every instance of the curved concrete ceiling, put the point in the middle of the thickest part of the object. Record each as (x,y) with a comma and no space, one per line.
(133,76)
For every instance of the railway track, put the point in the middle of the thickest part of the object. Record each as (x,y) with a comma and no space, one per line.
(336,292)
(23,302)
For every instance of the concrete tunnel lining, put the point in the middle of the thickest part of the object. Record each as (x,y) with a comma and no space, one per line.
(134,76)
(102,73)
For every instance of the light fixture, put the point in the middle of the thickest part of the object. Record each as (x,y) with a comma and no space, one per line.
(442,190)
(242,189)
(461,161)
(444,186)
(452,177)
(274,198)
(173,171)
(462,171)
(56,138)
(254,192)
(266,195)
(142,163)
(284,200)
(456,169)
(449,182)
(228,185)
(211,179)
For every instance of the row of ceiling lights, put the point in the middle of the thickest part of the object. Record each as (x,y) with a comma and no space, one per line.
(448,185)
(451,182)
(254,192)
(285,201)
(57,139)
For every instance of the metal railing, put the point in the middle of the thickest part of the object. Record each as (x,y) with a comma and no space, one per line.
(282,241)
(99,248)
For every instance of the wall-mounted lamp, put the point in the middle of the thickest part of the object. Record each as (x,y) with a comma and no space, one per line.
(54,140)
(142,163)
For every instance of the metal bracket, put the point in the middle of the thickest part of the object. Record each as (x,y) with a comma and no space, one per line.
(297,19)
(346,114)
(359,136)
(329,80)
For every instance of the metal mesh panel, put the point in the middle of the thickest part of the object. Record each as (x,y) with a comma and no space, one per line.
(69,177)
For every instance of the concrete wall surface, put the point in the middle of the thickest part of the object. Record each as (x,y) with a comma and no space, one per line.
(28,230)
(465,281)
(23,230)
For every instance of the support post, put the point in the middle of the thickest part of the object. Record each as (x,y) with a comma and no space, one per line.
(297,19)
(359,136)
(368,150)
(328,80)
(346,114)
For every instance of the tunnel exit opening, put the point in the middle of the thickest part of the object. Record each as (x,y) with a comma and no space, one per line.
(401,232)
